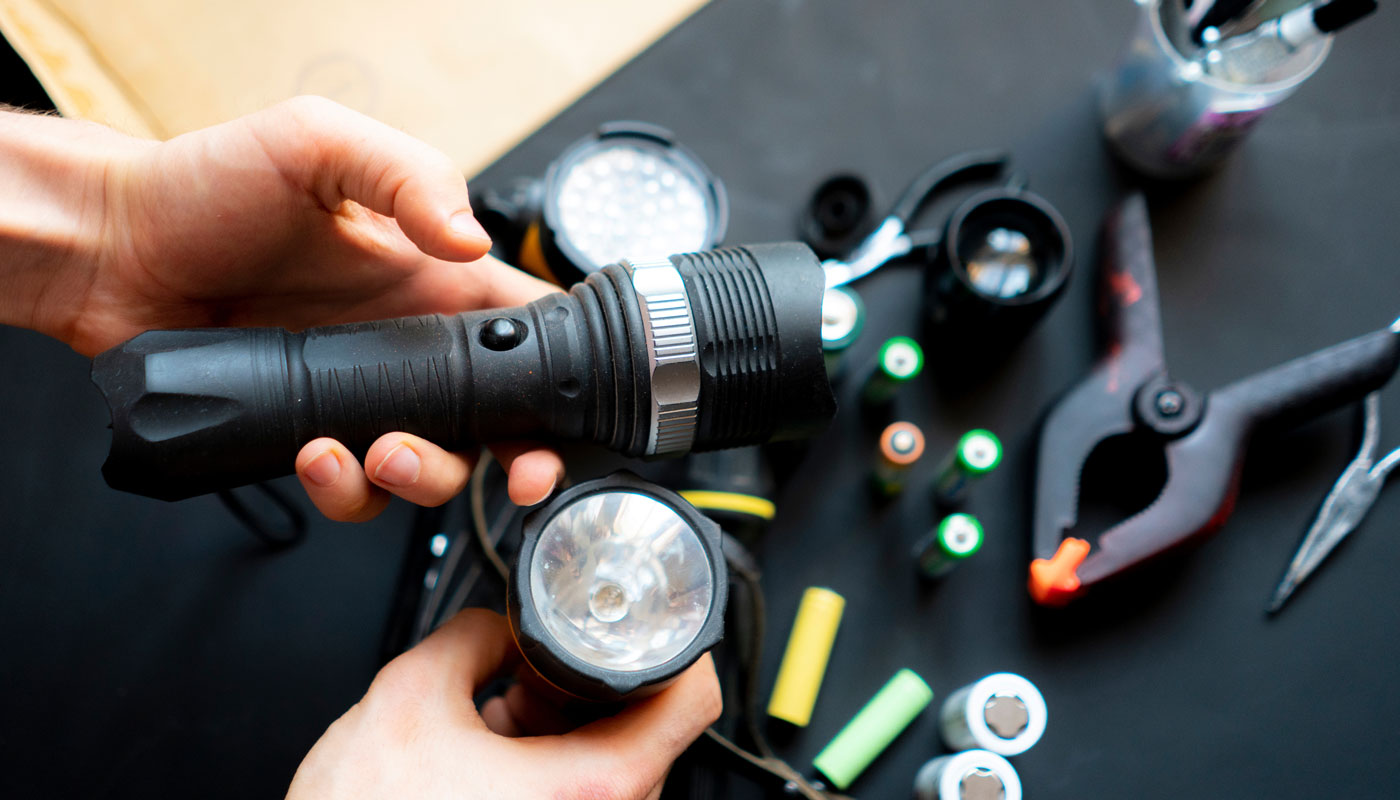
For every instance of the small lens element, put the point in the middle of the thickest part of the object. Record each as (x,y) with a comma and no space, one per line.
(608,602)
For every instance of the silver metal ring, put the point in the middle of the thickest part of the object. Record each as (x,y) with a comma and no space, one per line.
(672,355)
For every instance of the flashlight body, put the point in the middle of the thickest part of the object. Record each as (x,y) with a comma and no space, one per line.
(196,411)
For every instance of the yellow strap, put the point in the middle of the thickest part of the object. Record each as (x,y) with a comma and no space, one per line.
(731,501)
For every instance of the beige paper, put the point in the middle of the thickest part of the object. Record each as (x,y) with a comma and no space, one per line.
(471,77)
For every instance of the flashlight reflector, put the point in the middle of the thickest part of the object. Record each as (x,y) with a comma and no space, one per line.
(621,581)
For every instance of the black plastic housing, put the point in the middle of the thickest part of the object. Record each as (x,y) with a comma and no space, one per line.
(566,671)
(985,323)
(196,411)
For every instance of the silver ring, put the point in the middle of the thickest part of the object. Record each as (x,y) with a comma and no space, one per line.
(672,355)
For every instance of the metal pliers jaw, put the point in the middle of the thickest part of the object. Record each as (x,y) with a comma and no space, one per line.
(1203,438)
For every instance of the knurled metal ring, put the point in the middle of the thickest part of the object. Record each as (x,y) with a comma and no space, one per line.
(672,355)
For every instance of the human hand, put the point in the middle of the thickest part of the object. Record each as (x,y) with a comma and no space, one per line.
(306,213)
(417,732)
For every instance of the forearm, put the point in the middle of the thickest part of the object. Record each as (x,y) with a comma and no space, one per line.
(53,178)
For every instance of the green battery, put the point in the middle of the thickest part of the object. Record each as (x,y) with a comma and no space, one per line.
(843,317)
(900,360)
(867,735)
(978,452)
(955,539)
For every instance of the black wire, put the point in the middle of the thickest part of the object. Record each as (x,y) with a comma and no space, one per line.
(274,536)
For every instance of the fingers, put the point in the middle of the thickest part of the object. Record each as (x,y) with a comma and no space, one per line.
(498,718)
(336,484)
(340,154)
(633,750)
(416,469)
(533,471)
(532,715)
(468,650)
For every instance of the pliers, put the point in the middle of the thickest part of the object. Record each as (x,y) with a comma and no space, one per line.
(1202,436)
(895,237)
(1346,505)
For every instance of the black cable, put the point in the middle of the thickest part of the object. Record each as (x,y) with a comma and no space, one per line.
(274,536)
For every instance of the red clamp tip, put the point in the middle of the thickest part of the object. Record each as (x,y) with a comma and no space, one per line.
(1053,581)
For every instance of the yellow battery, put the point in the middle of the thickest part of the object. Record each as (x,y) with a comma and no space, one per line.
(804,660)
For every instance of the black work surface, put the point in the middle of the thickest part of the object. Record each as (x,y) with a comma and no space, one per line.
(151,649)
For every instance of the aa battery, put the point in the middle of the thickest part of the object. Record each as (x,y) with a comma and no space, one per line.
(955,539)
(899,361)
(977,453)
(901,445)
(969,775)
(804,660)
(867,735)
(1003,713)
(843,317)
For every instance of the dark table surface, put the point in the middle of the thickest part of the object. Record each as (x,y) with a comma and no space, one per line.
(152,649)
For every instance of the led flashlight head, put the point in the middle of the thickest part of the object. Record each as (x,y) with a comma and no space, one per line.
(620,585)
(627,191)
(1005,258)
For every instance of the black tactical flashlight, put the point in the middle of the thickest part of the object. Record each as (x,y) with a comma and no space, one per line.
(620,585)
(650,358)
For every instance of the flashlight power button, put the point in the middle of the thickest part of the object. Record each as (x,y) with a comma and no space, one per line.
(501,333)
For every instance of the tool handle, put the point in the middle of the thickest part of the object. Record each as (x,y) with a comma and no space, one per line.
(194,411)
(1305,387)
(975,165)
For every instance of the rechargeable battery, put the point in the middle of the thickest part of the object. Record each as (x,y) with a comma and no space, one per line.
(955,539)
(873,728)
(901,445)
(977,453)
(804,661)
(843,317)
(899,361)
(969,775)
(1003,713)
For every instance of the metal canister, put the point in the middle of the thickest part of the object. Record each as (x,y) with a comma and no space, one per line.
(843,317)
(1166,116)
(1003,713)
(955,539)
(969,775)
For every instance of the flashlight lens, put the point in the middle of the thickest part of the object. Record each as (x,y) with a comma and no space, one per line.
(621,581)
(626,201)
(1003,263)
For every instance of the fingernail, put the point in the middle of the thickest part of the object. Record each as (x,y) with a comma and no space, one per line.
(323,470)
(466,225)
(547,492)
(400,467)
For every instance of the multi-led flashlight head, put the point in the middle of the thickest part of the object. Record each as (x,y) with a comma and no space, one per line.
(620,585)
(628,190)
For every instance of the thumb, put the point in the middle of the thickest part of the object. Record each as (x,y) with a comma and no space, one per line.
(339,154)
(629,754)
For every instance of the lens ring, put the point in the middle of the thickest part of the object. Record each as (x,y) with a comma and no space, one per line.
(1020,213)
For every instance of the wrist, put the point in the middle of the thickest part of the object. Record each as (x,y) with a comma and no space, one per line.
(54,214)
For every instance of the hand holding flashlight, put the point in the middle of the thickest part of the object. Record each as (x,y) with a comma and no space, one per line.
(303,214)
(417,732)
